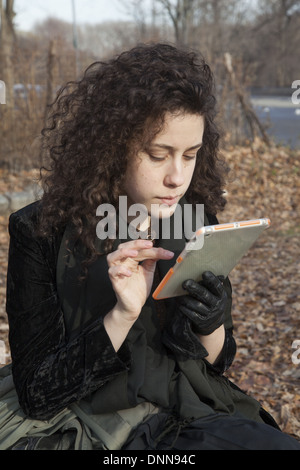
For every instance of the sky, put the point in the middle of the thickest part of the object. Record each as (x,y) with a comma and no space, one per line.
(28,12)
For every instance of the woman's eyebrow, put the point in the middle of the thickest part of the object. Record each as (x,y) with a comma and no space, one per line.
(169,147)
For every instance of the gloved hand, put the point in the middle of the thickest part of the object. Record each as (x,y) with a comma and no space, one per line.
(200,312)
(179,337)
(206,303)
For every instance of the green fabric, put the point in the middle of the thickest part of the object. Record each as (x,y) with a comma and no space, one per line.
(105,431)
(14,424)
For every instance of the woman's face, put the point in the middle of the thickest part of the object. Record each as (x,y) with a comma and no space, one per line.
(161,174)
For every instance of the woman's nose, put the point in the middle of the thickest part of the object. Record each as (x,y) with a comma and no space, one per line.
(175,174)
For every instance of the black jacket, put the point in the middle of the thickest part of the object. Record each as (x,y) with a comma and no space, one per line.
(50,369)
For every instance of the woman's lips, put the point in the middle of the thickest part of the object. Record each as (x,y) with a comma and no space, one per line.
(169,201)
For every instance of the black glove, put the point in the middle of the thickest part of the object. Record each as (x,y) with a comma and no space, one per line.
(179,337)
(206,303)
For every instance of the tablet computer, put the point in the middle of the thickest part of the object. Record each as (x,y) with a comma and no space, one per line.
(215,248)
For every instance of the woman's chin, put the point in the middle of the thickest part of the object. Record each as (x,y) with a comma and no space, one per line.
(164,211)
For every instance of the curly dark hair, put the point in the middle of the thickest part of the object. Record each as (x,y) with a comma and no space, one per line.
(119,105)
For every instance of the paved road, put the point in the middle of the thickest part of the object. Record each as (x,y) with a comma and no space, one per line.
(283,117)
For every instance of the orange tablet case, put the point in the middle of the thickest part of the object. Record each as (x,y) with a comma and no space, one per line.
(215,248)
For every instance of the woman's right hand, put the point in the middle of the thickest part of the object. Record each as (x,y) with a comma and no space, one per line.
(131,271)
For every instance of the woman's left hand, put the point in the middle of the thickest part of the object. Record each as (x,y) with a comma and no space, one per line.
(206,303)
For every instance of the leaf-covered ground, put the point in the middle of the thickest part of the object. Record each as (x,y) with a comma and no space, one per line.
(266,284)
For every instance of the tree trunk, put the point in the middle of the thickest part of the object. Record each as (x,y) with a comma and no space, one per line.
(247,109)
(7,110)
(7,44)
(52,72)
(180,16)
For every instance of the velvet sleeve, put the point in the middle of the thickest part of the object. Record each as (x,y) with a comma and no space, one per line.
(48,371)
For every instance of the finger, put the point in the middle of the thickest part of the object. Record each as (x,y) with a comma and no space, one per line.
(119,271)
(201,306)
(200,292)
(213,283)
(125,251)
(121,256)
(154,254)
(144,254)
(149,265)
(195,317)
(144,250)
(136,244)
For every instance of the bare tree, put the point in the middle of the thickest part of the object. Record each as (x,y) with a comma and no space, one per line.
(7,44)
(246,107)
(180,14)
(53,27)
(277,27)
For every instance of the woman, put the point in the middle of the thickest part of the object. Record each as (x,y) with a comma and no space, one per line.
(96,362)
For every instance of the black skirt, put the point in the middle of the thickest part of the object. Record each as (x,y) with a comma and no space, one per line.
(214,432)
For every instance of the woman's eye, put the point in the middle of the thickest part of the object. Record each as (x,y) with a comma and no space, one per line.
(190,157)
(156,159)
(160,159)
